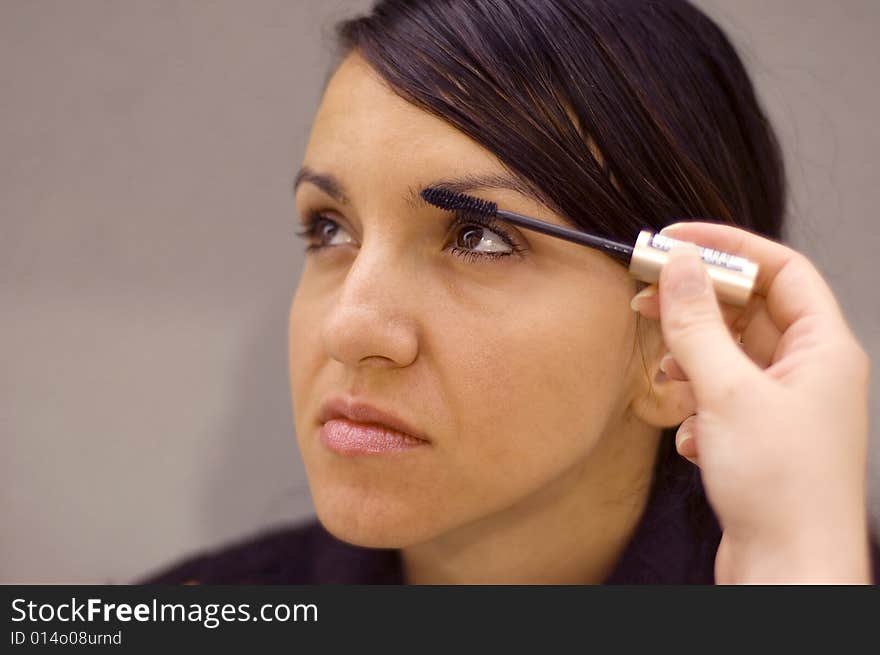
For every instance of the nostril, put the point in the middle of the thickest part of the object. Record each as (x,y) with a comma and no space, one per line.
(378,361)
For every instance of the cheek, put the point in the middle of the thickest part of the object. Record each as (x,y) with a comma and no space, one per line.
(535,393)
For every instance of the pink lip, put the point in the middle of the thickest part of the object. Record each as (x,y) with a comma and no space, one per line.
(353,427)
(349,438)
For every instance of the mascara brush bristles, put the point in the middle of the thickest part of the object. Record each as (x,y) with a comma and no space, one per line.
(454,201)
(461,202)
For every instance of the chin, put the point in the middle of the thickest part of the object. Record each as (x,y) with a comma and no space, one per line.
(374,520)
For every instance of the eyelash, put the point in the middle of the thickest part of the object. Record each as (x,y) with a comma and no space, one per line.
(312,220)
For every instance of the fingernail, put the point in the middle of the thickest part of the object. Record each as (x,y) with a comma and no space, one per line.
(688,278)
(681,439)
(664,362)
(647,292)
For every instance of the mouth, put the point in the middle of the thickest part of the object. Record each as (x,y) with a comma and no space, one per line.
(354,427)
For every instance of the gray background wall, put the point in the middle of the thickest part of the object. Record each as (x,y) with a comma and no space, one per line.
(147,258)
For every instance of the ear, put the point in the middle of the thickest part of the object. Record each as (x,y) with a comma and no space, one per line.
(657,400)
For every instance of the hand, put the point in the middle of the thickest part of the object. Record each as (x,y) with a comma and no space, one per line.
(781,428)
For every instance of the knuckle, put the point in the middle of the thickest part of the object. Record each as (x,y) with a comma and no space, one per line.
(800,262)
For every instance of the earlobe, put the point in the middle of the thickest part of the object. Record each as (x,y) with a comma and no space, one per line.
(665,402)
(658,400)
(661,401)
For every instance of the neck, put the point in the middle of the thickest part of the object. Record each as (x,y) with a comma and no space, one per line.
(571,531)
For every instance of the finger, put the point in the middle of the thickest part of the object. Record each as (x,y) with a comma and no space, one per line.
(685,440)
(647,303)
(761,353)
(758,340)
(671,368)
(790,283)
(759,335)
(693,328)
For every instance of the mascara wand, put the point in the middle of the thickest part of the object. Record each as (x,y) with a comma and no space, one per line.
(733,277)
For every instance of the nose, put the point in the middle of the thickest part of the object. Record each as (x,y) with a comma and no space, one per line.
(370,323)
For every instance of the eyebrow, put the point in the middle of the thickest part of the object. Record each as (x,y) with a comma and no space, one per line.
(330,185)
(327,183)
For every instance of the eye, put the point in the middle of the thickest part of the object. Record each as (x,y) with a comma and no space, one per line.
(477,237)
(474,237)
(321,231)
(481,239)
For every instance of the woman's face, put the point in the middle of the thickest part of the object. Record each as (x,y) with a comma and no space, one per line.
(513,353)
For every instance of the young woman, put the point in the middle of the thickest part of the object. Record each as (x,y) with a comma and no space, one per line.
(479,404)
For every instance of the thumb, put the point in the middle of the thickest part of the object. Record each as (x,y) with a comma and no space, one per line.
(693,328)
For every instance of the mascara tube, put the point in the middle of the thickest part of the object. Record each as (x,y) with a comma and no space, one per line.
(733,277)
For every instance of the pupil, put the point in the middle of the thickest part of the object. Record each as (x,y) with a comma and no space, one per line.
(471,237)
(328,229)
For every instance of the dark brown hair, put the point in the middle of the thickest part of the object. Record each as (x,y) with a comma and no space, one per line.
(618,114)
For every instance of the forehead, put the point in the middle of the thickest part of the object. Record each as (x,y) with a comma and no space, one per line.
(362,126)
